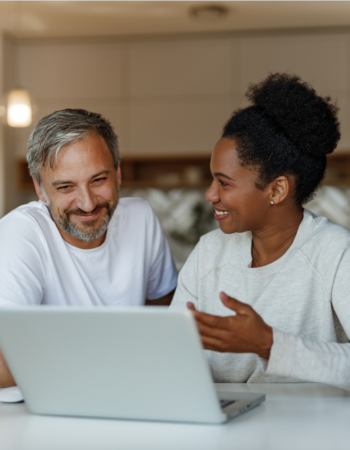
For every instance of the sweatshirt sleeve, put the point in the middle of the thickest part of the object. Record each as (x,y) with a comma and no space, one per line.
(340,291)
(307,360)
(315,361)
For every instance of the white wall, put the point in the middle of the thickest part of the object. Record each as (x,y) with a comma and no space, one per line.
(173,95)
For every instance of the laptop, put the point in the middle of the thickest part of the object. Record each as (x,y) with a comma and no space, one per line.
(113,362)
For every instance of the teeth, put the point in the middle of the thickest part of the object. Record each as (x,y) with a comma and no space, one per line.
(221,213)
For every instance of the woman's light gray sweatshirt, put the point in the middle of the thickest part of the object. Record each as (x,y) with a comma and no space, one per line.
(304,296)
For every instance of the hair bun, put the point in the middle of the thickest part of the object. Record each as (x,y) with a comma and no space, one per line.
(308,120)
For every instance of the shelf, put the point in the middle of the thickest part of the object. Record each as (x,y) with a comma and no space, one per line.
(165,186)
(24,180)
(165,172)
(185,171)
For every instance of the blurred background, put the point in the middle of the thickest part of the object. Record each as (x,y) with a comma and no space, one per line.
(167,75)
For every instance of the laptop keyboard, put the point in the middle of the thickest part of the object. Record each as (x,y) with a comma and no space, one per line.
(224,403)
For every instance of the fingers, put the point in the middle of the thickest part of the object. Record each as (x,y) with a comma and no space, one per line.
(210,343)
(233,304)
(210,332)
(210,320)
(240,333)
(191,306)
(205,319)
(218,340)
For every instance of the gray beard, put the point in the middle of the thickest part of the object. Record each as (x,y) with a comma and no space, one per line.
(73,230)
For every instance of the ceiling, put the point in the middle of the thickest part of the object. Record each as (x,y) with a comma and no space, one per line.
(47,19)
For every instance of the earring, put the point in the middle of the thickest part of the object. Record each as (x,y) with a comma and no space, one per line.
(272,203)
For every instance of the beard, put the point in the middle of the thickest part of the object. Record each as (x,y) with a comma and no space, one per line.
(90,230)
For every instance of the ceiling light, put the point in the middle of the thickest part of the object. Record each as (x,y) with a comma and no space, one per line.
(209,12)
(19,109)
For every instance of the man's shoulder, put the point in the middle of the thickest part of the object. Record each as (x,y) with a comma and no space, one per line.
(25,215)
(134,208)
(132,203)
(24,229)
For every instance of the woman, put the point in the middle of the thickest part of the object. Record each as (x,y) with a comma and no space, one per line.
(281,269)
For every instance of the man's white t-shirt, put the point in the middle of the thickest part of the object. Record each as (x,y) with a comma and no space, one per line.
(38,267)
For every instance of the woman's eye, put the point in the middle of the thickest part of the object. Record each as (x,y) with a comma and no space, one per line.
(222,183)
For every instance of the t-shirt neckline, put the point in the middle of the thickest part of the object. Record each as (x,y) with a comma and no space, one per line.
(85,251)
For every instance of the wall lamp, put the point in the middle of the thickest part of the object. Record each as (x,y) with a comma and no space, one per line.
(19,108)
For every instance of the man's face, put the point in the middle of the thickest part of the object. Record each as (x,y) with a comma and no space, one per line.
(82,191)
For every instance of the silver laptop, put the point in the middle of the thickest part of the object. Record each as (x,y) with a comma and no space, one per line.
(128,363)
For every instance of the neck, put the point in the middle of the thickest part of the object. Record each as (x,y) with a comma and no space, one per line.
(75,242)
(271,242)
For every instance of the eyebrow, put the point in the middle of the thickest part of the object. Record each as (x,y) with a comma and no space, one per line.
(219,174)
(58,182)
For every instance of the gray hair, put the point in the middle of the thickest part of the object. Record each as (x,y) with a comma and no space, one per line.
(62,128)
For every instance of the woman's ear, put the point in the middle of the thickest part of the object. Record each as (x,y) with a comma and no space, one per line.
(280,188)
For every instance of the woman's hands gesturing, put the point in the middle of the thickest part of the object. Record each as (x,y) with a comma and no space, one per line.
(245,332)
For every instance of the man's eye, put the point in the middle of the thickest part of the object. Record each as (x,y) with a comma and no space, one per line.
(99,179)
(63,188)
(222,183)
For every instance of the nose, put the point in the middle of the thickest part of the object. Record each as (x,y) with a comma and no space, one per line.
(212,194)
(85,200)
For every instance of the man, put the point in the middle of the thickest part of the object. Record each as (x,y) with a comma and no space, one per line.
(76,246)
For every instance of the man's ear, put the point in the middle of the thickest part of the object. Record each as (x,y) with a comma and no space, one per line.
(280,188)
(119,176)
(38,190)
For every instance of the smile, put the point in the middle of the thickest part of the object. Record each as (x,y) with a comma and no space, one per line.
(220,215)
(87,217)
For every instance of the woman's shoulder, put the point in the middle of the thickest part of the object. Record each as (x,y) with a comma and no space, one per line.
(326,232)
(217,248)
(326,250)
(326,240)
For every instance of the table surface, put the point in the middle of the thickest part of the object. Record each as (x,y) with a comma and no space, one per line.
(294,416)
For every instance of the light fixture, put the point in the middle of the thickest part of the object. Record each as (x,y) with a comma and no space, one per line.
(19,108)
(209,12)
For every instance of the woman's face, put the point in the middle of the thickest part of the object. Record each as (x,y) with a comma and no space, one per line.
(239,205)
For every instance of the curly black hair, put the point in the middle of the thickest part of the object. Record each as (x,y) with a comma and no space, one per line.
(289,130)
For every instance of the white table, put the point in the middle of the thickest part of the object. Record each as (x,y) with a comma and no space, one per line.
(294,416)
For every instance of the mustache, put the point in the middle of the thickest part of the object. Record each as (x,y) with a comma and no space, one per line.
(81,212)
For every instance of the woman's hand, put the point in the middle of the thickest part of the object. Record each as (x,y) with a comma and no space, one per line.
(246,332)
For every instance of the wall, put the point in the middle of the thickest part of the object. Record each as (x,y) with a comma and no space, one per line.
(170,95)
(2,146)
(13,197)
